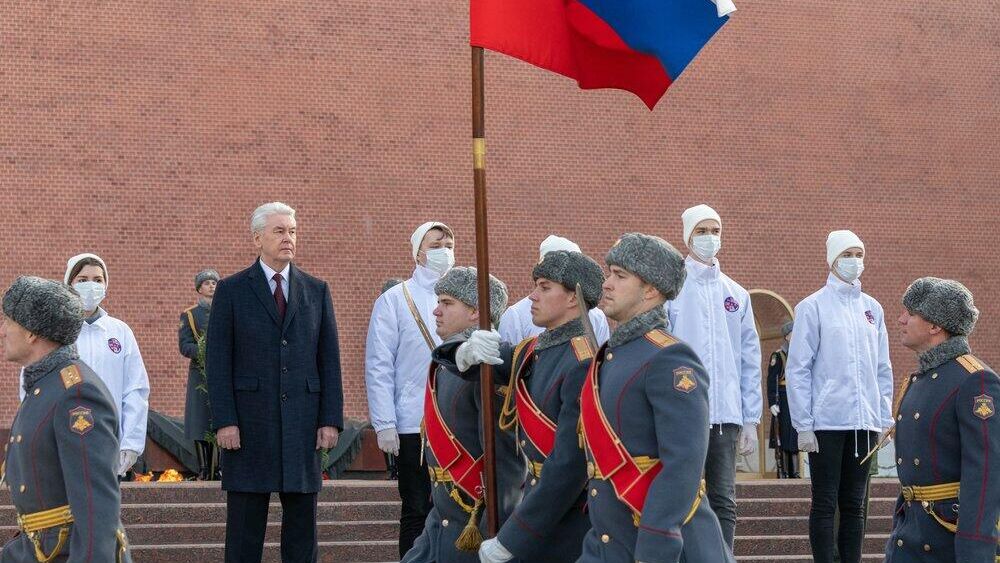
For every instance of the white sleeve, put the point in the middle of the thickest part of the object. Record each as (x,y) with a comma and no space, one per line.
(135,397)
(20,386)
(380,364)
(752,399)
(671,312)
(798,369)
(885,380)
(600,323)
(510,327)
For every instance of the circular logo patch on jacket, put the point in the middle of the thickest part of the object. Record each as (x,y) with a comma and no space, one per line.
(114,345)
(870,317)
(731,305)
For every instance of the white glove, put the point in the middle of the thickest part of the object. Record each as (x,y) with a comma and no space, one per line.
(388,441)
(483,347)
(492,551)
(724,7)
(126,459)
(748,439)
(775,410)
(808,442)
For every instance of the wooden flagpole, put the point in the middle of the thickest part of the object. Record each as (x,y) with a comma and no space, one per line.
(483,268)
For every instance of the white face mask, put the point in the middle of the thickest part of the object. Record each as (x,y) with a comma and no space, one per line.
(849,269)
(440,260)
(91,293)
(706,246)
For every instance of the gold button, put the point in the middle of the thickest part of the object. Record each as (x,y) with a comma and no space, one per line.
(899,461)
(18,438)
(37,391)
(22,488)
(934,376)
(522,443)
(912,379)
(593,492)
(927,547)
(444,523)
(591,470)
(924,504)
(916,416)
(534,482)
(899,543)
(605,538)
(899,417)
(609,356)
(916,461)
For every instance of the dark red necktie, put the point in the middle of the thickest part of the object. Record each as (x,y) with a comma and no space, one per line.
(279,297)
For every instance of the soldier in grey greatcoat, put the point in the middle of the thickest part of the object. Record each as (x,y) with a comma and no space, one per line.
(197,411)
(457,401)
(61,461)
(653,391)
(550,522)
(947,435)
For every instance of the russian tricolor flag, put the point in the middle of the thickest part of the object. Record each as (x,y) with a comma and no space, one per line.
(637,45)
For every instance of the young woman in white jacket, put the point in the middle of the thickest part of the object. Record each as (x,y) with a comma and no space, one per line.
(839,382)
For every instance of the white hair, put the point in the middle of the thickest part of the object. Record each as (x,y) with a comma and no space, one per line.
(260,215)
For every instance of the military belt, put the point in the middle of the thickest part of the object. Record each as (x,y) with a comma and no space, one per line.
(931,493)
(642,462)
(535,468)
(440,475)
(38,521)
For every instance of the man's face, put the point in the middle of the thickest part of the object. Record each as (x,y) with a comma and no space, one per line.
(915,331)
(276,242)
(435,238)
(623,294)
(706,227)
(551,303)
(90,273)
(451,316)
(207,289)
(16,341)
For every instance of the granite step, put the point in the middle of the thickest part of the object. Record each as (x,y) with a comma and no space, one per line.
(329,552)
(796,525)
(796,544)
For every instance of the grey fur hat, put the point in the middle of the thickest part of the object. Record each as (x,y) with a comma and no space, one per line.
(945,303)
(651,258)
(786,328)
(203,276)
(460,283)
(45,308)
(571,268)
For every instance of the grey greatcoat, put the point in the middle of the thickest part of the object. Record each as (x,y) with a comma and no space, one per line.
(460,407)
(63,451)
(197,412)
(645,387)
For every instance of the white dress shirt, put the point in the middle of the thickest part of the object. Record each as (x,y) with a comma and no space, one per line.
(269,274)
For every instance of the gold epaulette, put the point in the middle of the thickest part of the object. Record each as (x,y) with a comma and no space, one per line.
(581,347)
(71,376)
(660,338)
(970,363)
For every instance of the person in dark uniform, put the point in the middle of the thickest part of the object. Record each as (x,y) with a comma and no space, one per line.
(645,421)
(197,412)
(542,378)
(947,435)
(61,464)
(453,443)
(784,439)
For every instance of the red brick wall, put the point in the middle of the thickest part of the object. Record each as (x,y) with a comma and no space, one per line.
(148,131)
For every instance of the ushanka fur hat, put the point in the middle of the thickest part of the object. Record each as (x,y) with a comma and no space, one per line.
(945,303)
(460,283)
(651,258)
(45,308)
(569,269)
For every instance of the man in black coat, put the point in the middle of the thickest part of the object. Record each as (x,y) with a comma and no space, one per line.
(273,367)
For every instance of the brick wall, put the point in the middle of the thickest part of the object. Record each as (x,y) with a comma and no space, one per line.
(148,131)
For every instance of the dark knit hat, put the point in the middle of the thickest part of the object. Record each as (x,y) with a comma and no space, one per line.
(945,303)
(651,258)
(460,283)
(46,308)
(571,268)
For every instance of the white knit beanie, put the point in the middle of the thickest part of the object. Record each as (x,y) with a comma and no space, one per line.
(74,260)
(554,242)
(839,241)
(694,215)
(418,235)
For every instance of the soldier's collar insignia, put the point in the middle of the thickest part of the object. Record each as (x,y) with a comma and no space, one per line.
(581,348)
(684,380)
(983,407)
(70,376)
(81,420)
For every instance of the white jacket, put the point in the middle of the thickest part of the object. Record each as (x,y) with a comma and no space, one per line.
(838,370)
(397,356)
(713,315)
(516,325)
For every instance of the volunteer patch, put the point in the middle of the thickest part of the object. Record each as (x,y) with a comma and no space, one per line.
(983,407)
(114,345)
(731,305)
(870,317)
(81,420)
(684,380)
